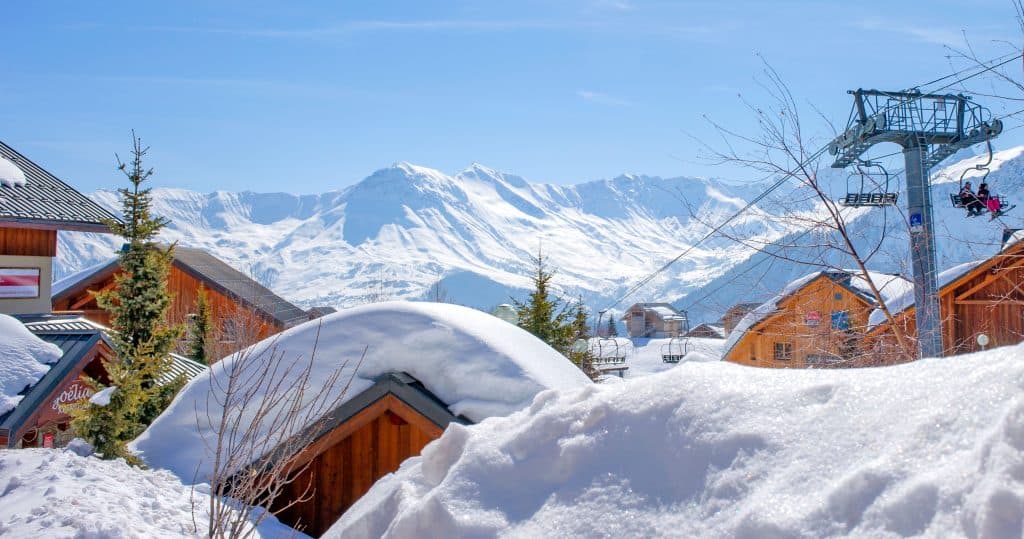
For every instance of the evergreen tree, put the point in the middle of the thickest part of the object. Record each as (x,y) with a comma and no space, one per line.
(138,305)
(202,329)
(613,329)
(581,333)
(543,315)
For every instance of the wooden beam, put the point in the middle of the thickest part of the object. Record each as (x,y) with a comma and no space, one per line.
(993,301)
(88,296)
(1019,261)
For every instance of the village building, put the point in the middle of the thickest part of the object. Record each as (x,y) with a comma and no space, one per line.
(734,314)
(42,416)
(243,310)
(984,297)
(816,321)
(34,205)
(654,320)
(707,331)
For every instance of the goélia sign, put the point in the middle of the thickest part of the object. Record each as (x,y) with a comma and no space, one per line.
(71,396)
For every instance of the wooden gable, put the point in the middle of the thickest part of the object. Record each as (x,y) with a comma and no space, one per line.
(236,324)
(364,440)
(816,325)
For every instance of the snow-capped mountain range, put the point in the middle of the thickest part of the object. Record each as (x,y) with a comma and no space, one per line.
(407,231)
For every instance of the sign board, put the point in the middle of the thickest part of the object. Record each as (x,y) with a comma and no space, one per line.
(48,439)
(916,222)
(19,283)
(812,319)
(76,393)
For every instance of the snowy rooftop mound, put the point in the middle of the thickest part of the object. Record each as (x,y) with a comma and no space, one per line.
(10,174)
(24,359)
(889,286)
(56,493)
(721,450)
(478,365)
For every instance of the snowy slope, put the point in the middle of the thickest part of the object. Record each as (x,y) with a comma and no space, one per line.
(720,450)
(405,227)
(55,493)
(479,365)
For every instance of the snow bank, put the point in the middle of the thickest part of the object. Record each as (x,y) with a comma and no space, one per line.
(56,493)
(933,448)
(24,359)
(11,175)
(479,365)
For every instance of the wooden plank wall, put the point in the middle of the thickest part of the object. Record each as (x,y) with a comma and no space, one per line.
(28,242)
(344,472)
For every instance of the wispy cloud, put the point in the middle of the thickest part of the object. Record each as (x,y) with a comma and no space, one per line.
(619,5)
(602,99)
(927,34)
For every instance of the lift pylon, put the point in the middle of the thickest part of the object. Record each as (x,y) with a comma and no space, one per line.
(930,128)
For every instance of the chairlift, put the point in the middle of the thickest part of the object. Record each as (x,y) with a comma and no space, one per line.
(958,202)
(675,349)
(606,351)
(868,192)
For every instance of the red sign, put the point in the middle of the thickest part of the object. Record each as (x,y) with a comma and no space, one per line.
(76,393)
(812,319)
(19,282)
(48,439)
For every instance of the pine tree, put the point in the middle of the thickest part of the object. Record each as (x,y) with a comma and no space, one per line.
(613,330)
(138,305)
(543,315)
(581,333)
(202,329)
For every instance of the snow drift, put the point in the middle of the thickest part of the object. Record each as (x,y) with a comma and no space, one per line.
(933,448)
(56,493)
(478,365)
(24,359)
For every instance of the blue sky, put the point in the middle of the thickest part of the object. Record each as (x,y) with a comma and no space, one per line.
(313,96)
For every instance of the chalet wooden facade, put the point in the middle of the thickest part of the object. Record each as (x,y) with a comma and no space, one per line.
(362,440)
(655,320)
(986,298)
(34,205)
(707,331)
(244,311)
(817,321)
(734,314)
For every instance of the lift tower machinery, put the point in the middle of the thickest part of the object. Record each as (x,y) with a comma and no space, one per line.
(930,128)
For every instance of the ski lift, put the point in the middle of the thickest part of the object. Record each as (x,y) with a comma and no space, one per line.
(954,198)
(675,349)
(868,193)
(607,351)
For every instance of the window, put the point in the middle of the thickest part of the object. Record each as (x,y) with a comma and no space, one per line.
(783,351)
(840,320)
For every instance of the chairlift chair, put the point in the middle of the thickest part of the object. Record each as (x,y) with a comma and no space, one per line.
(1004,203)
(606,351)
(868,194)
(675,349)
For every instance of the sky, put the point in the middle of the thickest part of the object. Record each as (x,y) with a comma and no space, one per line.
(307,97)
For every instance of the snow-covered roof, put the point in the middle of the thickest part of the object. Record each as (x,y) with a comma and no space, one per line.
(721,450)
(57,493)
(889,286)
(477,364)
(24,359)
(10,174)
(664,311)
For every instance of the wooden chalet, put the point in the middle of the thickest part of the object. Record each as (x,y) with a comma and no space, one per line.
(707,331)
(34,205)
(359,442)
(816,321)
(734,314)
(654,320)
(981,298)
(244,311)
(42,417)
